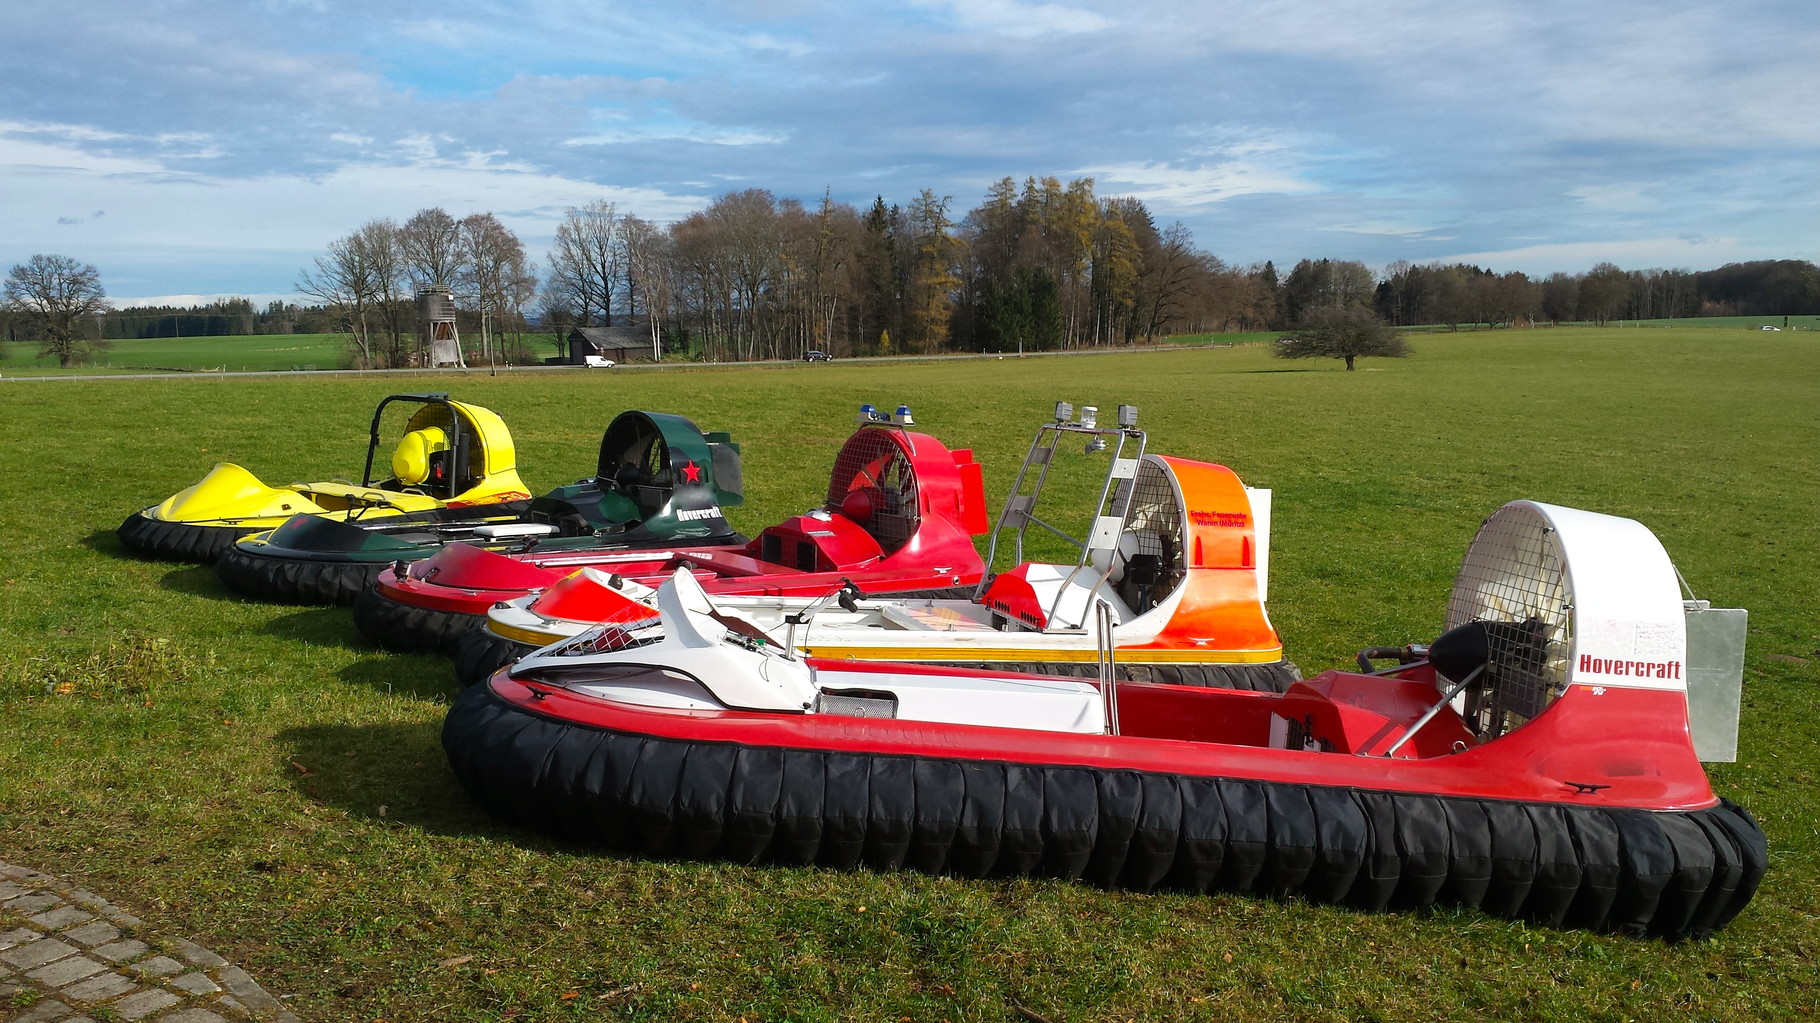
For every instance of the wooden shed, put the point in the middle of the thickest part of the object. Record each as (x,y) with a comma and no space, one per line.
(624,342)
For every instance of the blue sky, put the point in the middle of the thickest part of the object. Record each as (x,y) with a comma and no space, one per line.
(204,147)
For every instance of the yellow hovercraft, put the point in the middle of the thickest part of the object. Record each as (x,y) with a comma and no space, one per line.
(454,462)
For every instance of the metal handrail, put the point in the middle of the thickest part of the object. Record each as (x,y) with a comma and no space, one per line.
(1109,683)
(1042,451)
(1446,698)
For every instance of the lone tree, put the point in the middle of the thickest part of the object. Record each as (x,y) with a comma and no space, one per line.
(56,299)
(1342,333)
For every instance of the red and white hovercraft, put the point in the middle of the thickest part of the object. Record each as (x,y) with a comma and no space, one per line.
(901,512)
(1536,762)
(1175,551)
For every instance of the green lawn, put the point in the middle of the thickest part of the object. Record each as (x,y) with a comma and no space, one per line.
(1734,322)
(1251,337)
(269,786)
(233,353)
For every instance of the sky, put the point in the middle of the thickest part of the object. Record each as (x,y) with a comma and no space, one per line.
(204,148)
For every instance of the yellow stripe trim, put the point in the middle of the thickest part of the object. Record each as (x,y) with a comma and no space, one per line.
(1200,655)
(1193,655)
(530,636)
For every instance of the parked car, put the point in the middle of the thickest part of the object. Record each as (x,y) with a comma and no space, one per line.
(1768,327)
(597,362)
(818,357)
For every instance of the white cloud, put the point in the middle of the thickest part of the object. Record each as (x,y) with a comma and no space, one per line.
(1175,186)
(1631,253)
(265,229)
(1615,197)
(1383,228)
(186,301)
(699,133)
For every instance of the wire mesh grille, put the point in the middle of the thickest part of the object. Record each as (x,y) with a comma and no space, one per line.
(1514,580)
(431,415)
(1151,544)
(875,465)
(603,639)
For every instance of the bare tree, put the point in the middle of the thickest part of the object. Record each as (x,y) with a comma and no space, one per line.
(700,275)
(648,273)
(836,240)
(520,292)
(493,264)
(348,283)
(58,298)
(728,258)
(430,244)
(556,311)
(751,236)
(380,241)
(587,260)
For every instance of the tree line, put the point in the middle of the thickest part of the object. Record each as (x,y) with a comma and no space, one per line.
(219,318)
(1036,265)
(1462,294)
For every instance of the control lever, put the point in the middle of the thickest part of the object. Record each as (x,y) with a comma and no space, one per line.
(848,594)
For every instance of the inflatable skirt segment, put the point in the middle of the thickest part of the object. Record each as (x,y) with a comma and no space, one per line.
(1672,875)
(289,581)
(178,541)
(407,628)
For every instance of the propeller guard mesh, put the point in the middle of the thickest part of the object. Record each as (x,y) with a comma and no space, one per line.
(1514,575)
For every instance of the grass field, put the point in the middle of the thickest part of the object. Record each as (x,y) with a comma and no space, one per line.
(273,788)
(266,352)
(234,353)
(1733,322)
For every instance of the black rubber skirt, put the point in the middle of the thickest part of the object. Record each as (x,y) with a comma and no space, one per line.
(177,541)
(481,652)
(293,581)
(1672,875)
(395,625)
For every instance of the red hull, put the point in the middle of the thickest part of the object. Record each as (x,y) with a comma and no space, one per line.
(1620,748)
(901,514)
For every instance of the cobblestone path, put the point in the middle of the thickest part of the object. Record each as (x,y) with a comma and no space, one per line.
(69,956)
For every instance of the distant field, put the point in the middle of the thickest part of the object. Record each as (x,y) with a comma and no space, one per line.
(260,778)
(1719,322)
(1236,338)
(280,352)
(200,354)
(267,352)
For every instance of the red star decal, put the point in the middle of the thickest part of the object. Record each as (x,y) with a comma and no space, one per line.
(691,473)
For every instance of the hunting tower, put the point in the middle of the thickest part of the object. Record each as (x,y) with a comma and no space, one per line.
(436,311)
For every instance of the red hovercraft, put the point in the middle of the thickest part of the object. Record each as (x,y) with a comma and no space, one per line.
(1175,552)
(1535,761)
(901,512)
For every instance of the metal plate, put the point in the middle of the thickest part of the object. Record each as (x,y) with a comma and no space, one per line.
(1715,680)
